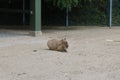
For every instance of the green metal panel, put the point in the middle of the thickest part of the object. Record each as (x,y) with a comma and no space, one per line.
(35,17)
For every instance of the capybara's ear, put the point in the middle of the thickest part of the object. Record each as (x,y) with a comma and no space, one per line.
(64,38)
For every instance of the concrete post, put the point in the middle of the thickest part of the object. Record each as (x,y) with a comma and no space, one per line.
(35,17)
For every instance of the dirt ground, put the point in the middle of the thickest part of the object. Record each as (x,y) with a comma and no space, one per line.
(93,54)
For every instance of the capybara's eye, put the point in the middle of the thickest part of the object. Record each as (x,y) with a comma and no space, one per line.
(66,44)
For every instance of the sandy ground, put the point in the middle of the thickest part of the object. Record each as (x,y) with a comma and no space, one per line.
(93,54)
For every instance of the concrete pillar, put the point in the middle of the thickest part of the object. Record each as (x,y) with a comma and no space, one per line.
(35,17)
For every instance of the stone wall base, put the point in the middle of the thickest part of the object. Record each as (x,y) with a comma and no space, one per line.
(36,33)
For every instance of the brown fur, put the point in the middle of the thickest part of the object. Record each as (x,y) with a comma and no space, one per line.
(58,45)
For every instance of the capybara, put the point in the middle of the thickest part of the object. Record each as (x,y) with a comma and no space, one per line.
(58,45)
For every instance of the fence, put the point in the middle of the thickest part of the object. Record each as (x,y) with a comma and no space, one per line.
(88,14)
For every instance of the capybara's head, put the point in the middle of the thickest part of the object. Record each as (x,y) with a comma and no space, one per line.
(64,43)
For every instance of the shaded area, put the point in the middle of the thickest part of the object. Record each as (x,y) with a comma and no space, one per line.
(11,12)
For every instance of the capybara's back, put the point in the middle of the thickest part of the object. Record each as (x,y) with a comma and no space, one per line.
(53,44)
